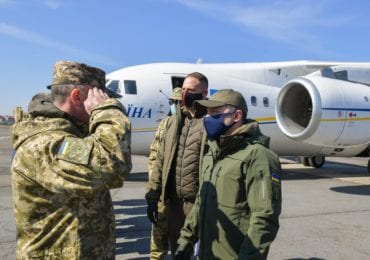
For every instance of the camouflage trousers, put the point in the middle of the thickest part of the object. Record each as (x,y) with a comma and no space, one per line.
(159,238)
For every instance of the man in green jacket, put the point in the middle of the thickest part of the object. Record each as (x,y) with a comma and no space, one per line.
(70,150)
(174,174)
(159,236)
(236,213)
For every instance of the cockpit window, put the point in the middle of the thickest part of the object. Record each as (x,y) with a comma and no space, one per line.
(130,87)
(114,86)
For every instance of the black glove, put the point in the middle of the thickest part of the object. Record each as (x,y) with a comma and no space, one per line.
(183,252)
(152,212)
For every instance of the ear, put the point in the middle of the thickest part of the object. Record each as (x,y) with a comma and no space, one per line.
(183,97)
(76,96)
(205,92)
(238,115)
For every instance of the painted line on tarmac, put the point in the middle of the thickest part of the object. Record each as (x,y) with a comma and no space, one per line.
(4,137)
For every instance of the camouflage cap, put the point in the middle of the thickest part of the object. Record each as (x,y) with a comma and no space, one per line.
(176,94)
(223,97)
(69,72)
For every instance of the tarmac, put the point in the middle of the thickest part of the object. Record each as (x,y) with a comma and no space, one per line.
(326,212)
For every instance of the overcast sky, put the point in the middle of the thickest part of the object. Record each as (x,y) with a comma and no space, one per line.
(112,34)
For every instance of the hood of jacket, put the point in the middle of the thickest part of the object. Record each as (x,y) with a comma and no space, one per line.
(44,116)
(251,130)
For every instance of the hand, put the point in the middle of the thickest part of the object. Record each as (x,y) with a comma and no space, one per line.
(180,254)
(183,252)
(152,212)
(95,97)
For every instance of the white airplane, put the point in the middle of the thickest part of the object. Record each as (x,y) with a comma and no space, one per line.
(309,109)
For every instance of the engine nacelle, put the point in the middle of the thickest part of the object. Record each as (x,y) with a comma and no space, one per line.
(324,111)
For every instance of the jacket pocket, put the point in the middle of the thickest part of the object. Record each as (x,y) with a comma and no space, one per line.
(228,186)
(263,179)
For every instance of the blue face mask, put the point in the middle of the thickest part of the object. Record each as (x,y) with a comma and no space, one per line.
(215,125)
(173,109)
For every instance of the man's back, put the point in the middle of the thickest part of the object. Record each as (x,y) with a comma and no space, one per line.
(60,179)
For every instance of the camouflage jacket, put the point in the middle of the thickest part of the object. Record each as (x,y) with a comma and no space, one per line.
(155,145)
(61,176)
(236,213)
(155,164)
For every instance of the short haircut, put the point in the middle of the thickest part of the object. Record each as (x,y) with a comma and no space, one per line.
(59,93)
(244,113)
(199,76)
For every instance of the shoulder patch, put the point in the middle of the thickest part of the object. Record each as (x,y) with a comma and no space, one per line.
(275,178)
(75,150)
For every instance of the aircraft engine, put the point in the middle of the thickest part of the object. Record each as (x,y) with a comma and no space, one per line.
(324,111)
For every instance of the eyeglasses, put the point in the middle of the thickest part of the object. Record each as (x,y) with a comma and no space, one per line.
(170,102)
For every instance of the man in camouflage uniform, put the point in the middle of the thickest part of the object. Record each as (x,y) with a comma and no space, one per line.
(174,172)
(236,213)
(159,237)
(69,153)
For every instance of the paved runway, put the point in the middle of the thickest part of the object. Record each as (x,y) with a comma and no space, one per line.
(326,212)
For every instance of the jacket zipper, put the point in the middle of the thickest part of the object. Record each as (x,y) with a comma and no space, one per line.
(263,189)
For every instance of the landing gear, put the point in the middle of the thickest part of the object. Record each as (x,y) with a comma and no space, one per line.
(316,161)
(304,161)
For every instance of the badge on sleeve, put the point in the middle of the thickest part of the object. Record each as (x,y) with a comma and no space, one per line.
(63,148)
(75,150)
(276,178)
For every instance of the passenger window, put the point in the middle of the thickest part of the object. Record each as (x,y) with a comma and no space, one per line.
(130,87)
(114,86)
(254,100)
(265,101)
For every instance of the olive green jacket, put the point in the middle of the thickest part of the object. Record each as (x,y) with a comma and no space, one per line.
(236,212)
(163,155)
(61,176)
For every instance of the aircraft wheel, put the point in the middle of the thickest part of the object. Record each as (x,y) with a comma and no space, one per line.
(317,161)
(304,161)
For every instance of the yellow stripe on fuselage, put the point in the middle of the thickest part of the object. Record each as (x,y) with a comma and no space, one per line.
(264,119)
(345,119)
(144,129)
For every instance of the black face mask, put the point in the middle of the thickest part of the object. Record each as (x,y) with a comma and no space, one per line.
(191,97)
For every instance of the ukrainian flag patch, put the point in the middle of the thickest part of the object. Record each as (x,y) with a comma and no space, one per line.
(276,178)
(75,150)
(63,148)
